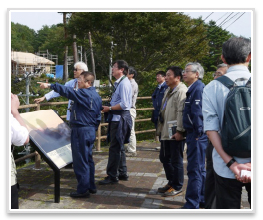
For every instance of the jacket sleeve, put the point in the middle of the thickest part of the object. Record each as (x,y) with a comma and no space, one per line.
(181,99)
(196,113)
(69,92)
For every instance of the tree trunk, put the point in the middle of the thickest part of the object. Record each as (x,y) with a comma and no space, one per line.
(75,49)
(92,57)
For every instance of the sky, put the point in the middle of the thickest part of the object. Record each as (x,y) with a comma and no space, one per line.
(238,23)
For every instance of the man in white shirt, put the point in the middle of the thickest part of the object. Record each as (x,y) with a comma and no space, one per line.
(19,137)
(131,147)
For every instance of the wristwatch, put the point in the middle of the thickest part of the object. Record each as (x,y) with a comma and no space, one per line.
(110,108)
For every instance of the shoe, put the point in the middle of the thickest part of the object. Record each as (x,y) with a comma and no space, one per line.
(163,189)
(109,180)
(92,191)
(124,177)
(131,154)
(171,192)
(158,148)
(79,195)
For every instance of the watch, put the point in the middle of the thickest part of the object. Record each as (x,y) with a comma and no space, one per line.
(110,108)
(230,162)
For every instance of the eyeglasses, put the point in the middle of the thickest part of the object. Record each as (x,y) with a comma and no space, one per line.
(187,71)
(217,74)
(75,69)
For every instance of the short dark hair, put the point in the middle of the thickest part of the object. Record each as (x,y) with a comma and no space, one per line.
(122,64)
(161,72)
(178,71)
(236,49)
(85,74)
(132,71)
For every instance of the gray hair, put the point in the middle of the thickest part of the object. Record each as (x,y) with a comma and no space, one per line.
(236,50)
(221,65)
(196,67)
(82,65)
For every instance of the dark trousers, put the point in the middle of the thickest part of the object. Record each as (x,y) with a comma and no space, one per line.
(14,196)
(117,158)
(195,170)
(228,193)
(82,139)
(210,178)
(171,156)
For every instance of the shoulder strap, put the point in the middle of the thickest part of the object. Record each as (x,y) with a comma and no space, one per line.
(248,83)
(225,81)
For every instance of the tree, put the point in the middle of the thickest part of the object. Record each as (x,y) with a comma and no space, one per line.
(22,38)
(216,36)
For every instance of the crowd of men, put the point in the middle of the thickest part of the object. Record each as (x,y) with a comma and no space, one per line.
(186,114)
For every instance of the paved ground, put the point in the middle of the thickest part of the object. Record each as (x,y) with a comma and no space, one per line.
(146,175)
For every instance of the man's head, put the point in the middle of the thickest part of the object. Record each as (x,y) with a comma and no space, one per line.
(173,76)
(120,68)
(193,71)
(236,50)
(79,67)
(221,70)
(160,77)
(132,73)
(85,80)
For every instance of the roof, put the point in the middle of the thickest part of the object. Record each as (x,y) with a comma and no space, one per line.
(29,59)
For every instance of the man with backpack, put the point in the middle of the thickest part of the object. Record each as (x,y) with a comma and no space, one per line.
(230,95)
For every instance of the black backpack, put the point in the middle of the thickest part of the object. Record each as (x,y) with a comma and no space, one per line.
(236,128)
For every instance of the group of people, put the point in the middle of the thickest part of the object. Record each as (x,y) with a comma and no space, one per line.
(194,110)
(194,114)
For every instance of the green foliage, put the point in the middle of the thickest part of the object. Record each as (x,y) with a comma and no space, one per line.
(22,38)
(146,40)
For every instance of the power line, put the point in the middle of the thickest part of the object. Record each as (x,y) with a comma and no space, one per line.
(208,16)
(230,19)
(235,20)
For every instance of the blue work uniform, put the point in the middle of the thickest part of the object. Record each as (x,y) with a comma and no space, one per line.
(196,141)
(52,94)
(84,119)
(157,98)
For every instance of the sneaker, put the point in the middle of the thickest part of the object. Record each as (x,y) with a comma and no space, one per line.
(131,154)
(158,148)
(124,177)
(171,192)
(163,189)
(80,195)
(93,191)
(109,180)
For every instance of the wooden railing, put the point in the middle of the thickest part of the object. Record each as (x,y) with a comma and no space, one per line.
(99,137)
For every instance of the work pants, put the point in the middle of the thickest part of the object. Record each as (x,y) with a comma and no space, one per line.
(228,193)
(210,178)
(171,156)
(131,147)
(195,170)
(117,158)
(14,196)
(82,139)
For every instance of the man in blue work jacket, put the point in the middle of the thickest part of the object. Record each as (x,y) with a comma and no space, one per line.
(196,139)
(84,119)
(79,67)
(120,124)
(157,96)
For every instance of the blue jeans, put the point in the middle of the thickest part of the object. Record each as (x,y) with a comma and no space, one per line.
(82,140)
(195,170)
(171,156)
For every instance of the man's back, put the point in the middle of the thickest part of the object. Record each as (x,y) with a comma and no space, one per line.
(214,98)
